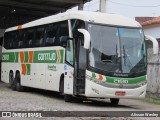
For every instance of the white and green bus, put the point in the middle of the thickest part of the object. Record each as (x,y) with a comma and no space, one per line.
(87,54)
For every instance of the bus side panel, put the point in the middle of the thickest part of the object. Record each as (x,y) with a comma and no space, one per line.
(40,75)
(68,79)
(4,72)
(29,79)
(53,74)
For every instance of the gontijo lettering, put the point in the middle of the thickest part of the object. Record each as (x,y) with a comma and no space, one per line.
(46,56)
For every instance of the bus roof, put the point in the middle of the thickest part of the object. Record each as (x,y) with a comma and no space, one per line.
(95,17)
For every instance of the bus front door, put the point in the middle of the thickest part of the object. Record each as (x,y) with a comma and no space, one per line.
(80,67)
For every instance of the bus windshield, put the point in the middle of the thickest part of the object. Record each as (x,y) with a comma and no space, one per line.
(117,49)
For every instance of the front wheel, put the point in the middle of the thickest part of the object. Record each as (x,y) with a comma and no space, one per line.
(67,98)
(114,101)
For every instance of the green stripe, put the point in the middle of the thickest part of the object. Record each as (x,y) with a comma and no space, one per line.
(26,57)
(62,54)
(125,80)
(28,69)
(117,80)
(45,56)
(48,56)
(16,54)
(10,57)
(93,75)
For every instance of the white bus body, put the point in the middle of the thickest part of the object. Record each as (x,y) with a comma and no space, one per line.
(44,66)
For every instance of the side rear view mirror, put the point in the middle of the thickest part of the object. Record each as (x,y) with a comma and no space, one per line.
(155,43)
(87,38)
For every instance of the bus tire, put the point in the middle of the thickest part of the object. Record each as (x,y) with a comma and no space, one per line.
(61,87)
(67,98)
(19,88)
(11,78)
(114,101)
(13,87)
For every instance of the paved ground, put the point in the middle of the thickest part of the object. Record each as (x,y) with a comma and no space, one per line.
(39,100)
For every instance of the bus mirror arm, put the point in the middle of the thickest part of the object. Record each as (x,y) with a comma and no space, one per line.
(155,43)
(87,38)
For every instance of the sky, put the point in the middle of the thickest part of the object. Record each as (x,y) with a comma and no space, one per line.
(128,8)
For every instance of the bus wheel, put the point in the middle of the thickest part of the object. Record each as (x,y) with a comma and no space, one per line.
(61,87)
(19,88)
(13,87)
(67,98)
(114,101)
(11,79)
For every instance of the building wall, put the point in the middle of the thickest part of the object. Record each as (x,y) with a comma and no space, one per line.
(153,70)
(153,75)
(152,31)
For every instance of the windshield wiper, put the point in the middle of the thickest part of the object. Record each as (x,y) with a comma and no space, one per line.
(116,54)
(124,55)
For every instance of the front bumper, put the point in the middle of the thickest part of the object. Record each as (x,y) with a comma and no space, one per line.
(95,90)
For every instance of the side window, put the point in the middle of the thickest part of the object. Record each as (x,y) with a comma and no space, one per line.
(39,37)
(51,34)
(63,32)
(29,38)
(15,40)
(21,41)
(12,40)
(69,52)
(7,37)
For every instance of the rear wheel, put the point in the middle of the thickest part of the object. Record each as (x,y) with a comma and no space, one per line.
(13,87)
(114,101)
(67,98)
(18,83)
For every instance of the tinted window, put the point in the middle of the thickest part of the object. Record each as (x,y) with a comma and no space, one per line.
(21,39)
(39,37)
(29,38)
(7,37)
(10,40)
(63,32)
(51,34)
(77,24)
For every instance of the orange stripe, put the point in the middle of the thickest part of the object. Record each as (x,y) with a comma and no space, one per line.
(24,69)
(100,77)
(22,57)
(19,27)
(58,56)
(30,56)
